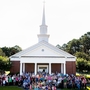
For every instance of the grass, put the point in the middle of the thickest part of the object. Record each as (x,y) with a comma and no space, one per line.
(18,88)
(75,89)
(10,88)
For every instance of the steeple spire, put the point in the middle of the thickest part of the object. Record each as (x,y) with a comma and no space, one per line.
(43,18)
(43,36)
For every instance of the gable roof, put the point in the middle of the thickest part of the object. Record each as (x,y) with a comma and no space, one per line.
(46,44)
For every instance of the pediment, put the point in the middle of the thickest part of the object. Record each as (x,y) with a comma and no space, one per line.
(43,49)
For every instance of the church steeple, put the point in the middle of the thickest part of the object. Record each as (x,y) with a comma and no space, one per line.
(43,28)
(43,18)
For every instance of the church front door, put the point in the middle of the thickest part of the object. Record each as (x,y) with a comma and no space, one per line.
(43,68)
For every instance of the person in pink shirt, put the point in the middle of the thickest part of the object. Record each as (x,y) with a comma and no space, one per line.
(84,82)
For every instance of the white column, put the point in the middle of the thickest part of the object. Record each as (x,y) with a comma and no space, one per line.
(64,67)
(35,69)
(24,67)
(20,68)
(49,68)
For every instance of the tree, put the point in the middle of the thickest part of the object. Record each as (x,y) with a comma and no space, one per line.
(85,41)
(1,52)
(11,50)
(72,46)
(15,49)
(81,65)
(58,46)
(6,50)
(64,47)
(5,64)
(82,55)
(81,49)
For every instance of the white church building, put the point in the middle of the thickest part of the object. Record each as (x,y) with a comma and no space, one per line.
(43,56)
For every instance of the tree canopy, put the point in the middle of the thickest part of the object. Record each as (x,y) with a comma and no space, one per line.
(5,53)
(5,64)
(11,50)
(81,49)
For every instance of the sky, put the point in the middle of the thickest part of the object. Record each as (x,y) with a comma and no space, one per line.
(20,21)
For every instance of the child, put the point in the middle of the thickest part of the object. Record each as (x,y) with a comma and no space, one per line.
(30,87)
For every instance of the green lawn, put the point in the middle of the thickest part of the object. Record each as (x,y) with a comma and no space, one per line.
(72,89)
(19,88)
(10,88)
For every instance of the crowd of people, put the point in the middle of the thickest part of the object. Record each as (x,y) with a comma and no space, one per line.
(44,81)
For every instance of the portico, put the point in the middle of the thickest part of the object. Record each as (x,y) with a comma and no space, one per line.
(40,67)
